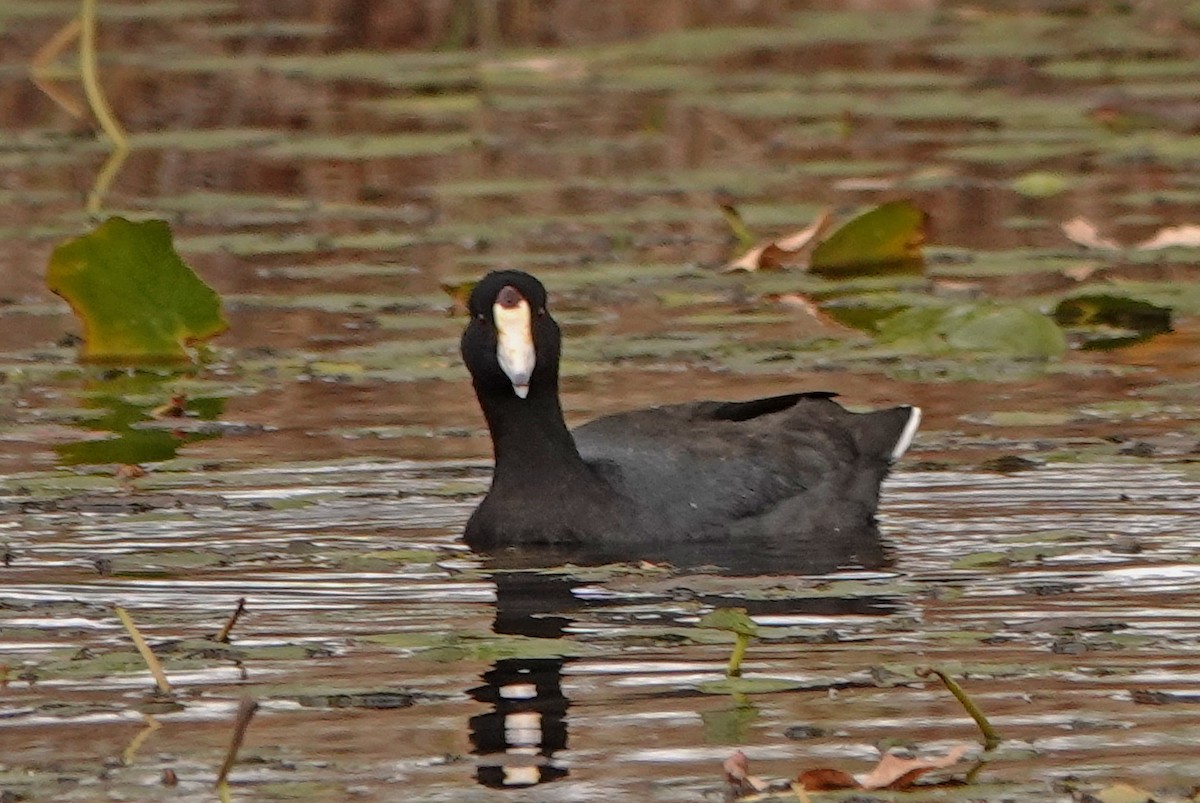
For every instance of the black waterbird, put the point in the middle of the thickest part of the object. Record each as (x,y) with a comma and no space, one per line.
(778,483)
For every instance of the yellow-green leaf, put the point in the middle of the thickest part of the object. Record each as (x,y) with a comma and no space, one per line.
(886,238)
(136,299)
(735,620)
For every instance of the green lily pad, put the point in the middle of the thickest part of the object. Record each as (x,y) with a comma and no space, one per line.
(987,327)
(164,562)
(884,239)
(734,620)
(136,298)
(1040,184)
(1132,319)
(737,685)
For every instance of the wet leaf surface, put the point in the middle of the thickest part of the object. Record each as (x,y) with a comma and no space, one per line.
(888,237)
(136,298)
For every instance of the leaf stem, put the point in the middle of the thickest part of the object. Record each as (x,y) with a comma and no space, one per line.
(991,739)
(223,636)
(91,79)
(147,654)
(245,713)
(741,642)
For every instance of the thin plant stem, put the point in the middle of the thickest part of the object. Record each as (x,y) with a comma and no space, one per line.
(112,165)
(245,713)
(160,678)
(135,744)
(991,739)
(91,77)
(223,636)
(741,642)
(39,66)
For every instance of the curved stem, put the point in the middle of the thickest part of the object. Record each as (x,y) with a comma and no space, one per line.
(39,66)
(991,739)
(91,79)
(739,651)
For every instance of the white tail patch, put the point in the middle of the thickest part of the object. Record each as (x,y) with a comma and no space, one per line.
(910,431)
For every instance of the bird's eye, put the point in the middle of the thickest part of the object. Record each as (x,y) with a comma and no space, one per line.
(541,310)
(481,317)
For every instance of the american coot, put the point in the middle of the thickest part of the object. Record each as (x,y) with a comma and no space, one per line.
(788,481)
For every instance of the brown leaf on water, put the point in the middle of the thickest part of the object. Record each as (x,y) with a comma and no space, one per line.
(175,408)
(1079,273)
(808,235)
(737,774)
(1082,231)
(825,780)
(762,257)
(894,772)
(1123,793)
(804,304)
(792,248)
(1172,236)
(127,473)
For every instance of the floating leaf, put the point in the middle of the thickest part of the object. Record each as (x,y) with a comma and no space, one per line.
(737,774)
(988,327)
(894,772)
(1082,231)
(789,248)
(1138,320)
(740,685)
(1124,793)
(735,620)
(736,223)
(1172,237)
(1040,185)
(886,238)
(738,622)
(136,298)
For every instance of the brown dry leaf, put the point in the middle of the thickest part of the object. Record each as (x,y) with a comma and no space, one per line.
(790,248)
(762,257)
(1080,272)
(802,303)
(175,408)
(825,780)
(126,473)
(1123,793)
(807,235)
(796,301)
(1184,236)
(737,773)
(894,772)
(1082,231)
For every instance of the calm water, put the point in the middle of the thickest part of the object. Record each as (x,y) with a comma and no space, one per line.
(328,166)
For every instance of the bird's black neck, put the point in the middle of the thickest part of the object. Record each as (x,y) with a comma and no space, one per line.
(530,437)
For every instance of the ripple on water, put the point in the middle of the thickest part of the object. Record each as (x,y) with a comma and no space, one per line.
(1085,592)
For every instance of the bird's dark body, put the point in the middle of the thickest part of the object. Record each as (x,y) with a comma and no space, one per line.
(783,482)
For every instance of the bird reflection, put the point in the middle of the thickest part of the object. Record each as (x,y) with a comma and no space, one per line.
(526,726)
(518,740)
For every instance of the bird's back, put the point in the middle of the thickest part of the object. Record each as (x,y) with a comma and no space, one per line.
(794,478)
